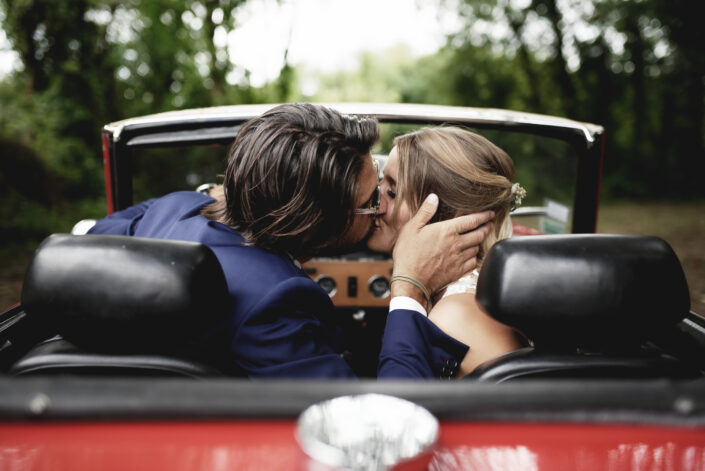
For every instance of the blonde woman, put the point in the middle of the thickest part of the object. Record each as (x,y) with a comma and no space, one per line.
(469,174)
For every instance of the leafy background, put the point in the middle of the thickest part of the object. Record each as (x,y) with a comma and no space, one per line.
(634,66)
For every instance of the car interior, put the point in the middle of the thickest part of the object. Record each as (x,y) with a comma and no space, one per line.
(592,305)
(605,302)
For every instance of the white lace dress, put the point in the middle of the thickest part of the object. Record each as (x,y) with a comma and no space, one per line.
(466,284)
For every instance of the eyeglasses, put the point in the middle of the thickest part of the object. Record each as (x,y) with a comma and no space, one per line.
(374,207)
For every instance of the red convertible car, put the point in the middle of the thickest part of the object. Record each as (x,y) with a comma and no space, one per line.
(614,379)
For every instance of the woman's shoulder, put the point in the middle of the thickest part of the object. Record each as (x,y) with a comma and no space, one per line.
(457,300)
(457,305)
(461,311)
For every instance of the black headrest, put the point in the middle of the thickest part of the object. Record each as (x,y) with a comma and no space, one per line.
(594,291)
(116,293)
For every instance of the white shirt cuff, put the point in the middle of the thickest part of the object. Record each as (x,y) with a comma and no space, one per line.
(405,302)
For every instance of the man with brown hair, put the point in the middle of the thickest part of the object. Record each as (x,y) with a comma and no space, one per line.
(299,178)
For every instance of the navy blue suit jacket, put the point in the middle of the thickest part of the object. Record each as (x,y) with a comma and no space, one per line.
(280,321)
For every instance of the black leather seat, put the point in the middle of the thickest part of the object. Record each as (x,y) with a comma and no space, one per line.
(535,363)
(124,306)
(589,303)
(57,356)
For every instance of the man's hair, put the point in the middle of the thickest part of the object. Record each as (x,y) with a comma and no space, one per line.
(291,177)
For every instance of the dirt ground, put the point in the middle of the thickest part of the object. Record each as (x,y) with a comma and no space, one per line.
(682,225)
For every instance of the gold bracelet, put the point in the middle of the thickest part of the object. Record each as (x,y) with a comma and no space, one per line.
(414,282)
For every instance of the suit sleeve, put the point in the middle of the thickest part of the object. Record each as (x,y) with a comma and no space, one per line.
(285,334)
(122,222)
(414,347)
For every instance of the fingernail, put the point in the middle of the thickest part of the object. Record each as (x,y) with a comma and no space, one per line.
(432,198)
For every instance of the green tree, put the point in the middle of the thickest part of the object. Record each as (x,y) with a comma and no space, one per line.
(634,66)
(85,63)
(66,86)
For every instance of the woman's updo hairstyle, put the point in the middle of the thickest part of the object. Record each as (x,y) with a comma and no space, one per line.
(467,172)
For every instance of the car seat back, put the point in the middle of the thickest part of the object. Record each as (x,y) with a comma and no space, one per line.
(125,303)
(589,303)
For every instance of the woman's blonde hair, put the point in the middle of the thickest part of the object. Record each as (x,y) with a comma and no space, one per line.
(466,171)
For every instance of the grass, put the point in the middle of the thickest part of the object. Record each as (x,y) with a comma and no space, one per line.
(681,224)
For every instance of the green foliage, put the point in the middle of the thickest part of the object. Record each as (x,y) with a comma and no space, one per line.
(378,78)
(160,171)
(86,63)
(634,66)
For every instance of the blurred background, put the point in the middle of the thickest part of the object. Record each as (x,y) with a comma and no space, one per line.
(634,66)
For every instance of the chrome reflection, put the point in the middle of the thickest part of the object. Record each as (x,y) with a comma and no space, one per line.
(83,226)
(367,432)
(485,458)
(379,286)
(328,284)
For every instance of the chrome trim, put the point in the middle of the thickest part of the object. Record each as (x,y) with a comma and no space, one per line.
(243,112)
(375,278)
(83,226)
(205,188)
(367,431)
(335,284)
(695,326)
(383,111)
(525,211)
